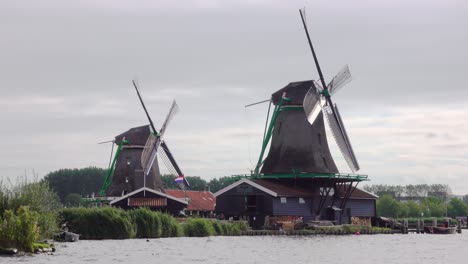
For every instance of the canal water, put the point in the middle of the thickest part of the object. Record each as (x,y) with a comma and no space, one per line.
(362,249)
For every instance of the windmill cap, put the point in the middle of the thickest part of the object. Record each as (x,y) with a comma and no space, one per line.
(136,136)
(295,91)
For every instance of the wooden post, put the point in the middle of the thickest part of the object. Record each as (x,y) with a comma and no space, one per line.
(459,229)
(418,226)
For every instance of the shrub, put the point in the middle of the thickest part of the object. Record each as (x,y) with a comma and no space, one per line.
(98,223)
(217,228)
(20,230)
(198,227)
(169,226)
(147,224)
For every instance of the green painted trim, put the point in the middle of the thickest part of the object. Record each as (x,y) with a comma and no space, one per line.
(108,180)
(269,132)
(336,176)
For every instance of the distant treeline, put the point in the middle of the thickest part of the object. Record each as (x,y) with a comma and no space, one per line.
(411,192)
(418,200)
(72,184)
(428,207)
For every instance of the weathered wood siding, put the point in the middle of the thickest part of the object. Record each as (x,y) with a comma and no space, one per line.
(233,202)
(361,207)
(292,207)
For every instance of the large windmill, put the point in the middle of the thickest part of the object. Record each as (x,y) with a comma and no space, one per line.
(299,155)
(135,164)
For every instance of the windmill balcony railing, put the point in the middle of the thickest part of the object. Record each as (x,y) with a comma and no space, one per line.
(335,176)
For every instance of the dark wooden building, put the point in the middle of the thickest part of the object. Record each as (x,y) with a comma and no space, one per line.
(152,199)
(254,199)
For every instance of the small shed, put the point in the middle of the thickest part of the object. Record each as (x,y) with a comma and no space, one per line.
(155,200)
(201,203)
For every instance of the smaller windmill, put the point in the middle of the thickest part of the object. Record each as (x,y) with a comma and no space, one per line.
(155,145)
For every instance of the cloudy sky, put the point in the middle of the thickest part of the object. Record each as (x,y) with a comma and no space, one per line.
(66,69)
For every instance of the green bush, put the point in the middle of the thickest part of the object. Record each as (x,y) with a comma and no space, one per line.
(217,228)
(198,227)
(147,223)
(20,230)
(98,223)
(169,226)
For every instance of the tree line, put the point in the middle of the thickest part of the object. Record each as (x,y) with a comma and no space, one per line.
(72,184)
(411,192)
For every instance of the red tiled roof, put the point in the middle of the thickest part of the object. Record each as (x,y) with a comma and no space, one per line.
(198,200)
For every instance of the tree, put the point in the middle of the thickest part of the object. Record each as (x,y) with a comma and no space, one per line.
(433,206)
(414,210)
(457,207)
(84,181)
(217,184)
(465,198)
(72,200)
(387,206)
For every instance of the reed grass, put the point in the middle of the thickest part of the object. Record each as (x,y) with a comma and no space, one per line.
(113,223)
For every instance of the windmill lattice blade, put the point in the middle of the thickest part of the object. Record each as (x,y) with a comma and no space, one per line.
(135,84)
(174,109)
(341,138)
(348,142)
(166,162)
(312,104)
(149,152)
(174,164)
(341,79)
(108,141)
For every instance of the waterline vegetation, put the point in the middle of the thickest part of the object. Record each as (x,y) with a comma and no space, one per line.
(114,223)
(28,213)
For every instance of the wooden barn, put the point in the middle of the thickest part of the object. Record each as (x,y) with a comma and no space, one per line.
(200,203)
(255,199)
(152,199)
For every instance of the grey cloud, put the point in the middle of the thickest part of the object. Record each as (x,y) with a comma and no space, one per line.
(66,68)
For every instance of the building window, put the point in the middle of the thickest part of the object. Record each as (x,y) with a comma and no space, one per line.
(283,200)
(301,201)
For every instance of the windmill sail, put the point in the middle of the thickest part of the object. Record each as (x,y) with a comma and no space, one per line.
(149,154)
(339,133)
(173,164)
(355,164)
(341,79)
(312,104)
(174,110)
(144,107)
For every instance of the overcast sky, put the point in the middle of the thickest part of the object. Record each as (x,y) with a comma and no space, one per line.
(66,69)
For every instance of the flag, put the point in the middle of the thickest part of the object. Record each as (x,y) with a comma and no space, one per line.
(180,181)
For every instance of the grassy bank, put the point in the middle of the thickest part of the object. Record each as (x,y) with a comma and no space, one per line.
(351,229)
(113,223)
